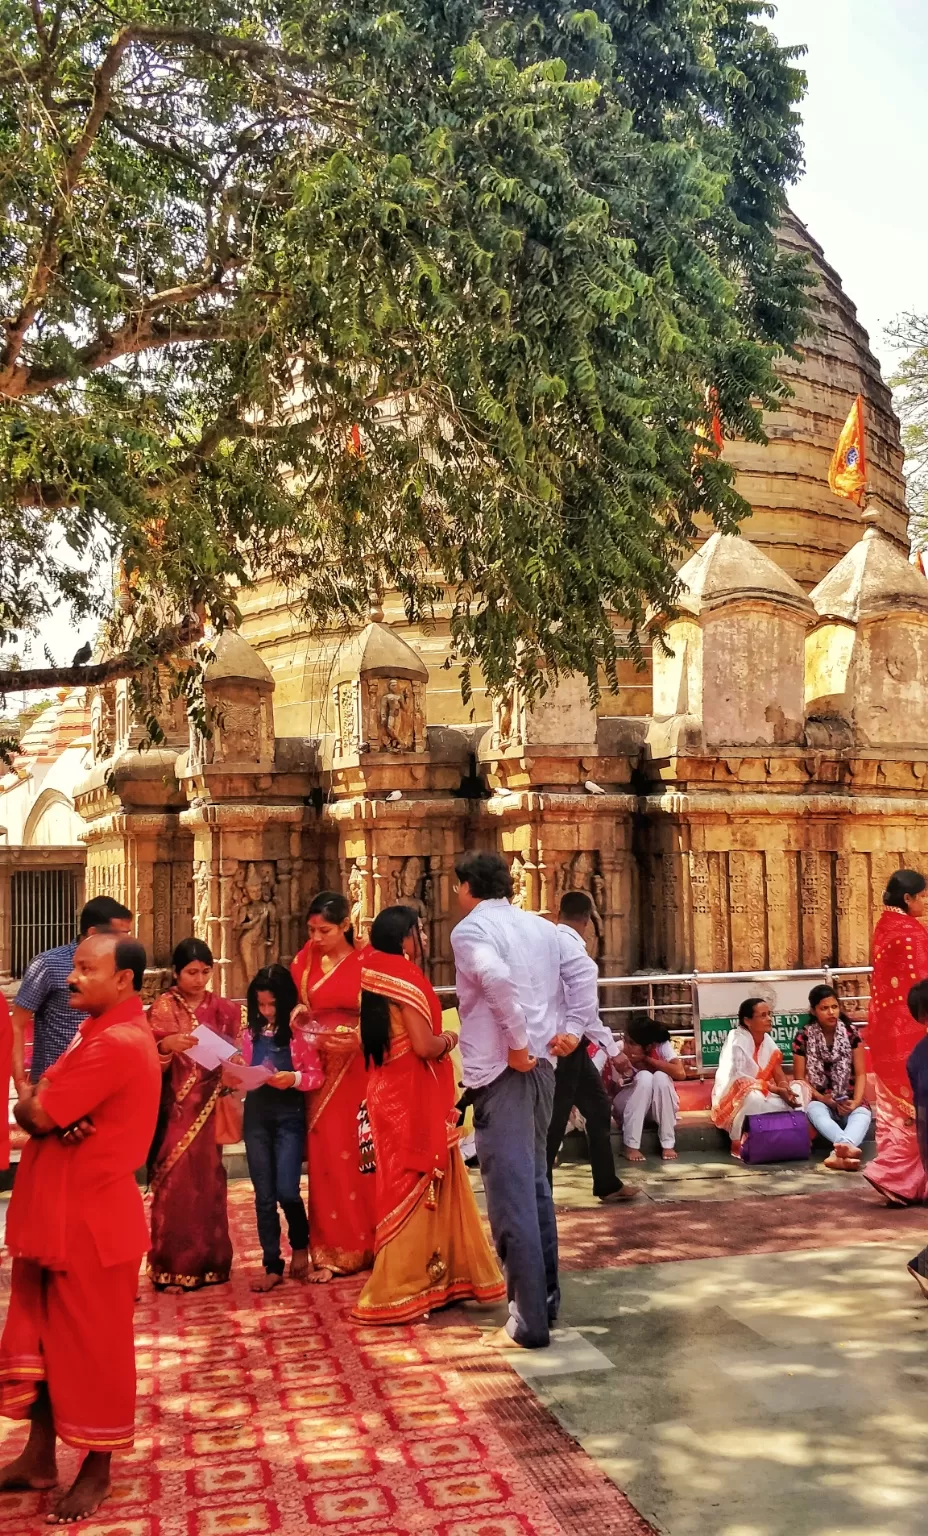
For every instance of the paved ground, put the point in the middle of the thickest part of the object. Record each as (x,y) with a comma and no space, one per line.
(768,1375)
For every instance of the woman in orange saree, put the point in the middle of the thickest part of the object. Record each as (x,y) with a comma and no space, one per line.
(327,972)
(430,1246)
(900,959)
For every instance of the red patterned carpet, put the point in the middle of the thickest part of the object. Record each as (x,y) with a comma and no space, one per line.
(277,1414)
(645,1232)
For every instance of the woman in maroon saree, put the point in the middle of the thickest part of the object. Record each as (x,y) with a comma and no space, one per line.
(190,1243)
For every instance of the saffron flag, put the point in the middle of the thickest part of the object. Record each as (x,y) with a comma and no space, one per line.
(714,434)
(847,475)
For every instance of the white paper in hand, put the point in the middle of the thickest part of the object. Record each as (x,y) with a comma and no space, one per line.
(211,1050)
(248,1078)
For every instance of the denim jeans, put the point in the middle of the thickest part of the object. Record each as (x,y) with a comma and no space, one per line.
(834,1127)
(275,1144)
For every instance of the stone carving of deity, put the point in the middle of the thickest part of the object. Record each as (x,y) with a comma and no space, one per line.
(357,896)
(201,896)
(267,874)
(413,887)
(581,874)
(519,893)
(258,939)
(397,727)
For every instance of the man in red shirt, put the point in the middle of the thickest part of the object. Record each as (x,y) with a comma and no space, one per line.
(77,1232)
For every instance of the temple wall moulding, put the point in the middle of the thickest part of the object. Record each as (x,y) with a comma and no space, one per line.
(743,891)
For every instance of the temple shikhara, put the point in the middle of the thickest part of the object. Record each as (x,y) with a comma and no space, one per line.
(737,808)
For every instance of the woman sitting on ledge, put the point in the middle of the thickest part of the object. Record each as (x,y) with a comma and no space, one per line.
(749,1079)
(828,1057)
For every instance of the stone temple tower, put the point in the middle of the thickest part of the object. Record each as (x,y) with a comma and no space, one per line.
(737,805)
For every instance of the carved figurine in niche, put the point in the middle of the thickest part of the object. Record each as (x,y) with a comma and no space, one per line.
(581,874)
(268,875)
(509,721)
(202,897)
(519,893)
(395,717)
(357,896)
(414,887)
(258,941)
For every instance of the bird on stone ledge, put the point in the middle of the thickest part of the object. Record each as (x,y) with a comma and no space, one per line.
(82,656)
(592,788)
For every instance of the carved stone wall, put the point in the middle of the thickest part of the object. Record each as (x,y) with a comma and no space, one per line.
(747,882)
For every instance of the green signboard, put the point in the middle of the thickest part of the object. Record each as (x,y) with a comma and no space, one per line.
(718,1011)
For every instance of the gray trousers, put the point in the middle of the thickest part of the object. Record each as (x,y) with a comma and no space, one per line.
(511,1118)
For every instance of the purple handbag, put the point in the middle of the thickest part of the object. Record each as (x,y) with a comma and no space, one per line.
(782,1137)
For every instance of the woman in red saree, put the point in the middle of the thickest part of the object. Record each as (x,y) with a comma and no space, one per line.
(190,1243)
(900,959)
(327,972)
(430,1246)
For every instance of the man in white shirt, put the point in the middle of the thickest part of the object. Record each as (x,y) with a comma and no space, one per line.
(507,966)
(577,1081)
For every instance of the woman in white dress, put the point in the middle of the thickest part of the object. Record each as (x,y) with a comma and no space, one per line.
(749,1079)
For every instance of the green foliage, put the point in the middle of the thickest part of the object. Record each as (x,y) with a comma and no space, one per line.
(910,334)
(513,246)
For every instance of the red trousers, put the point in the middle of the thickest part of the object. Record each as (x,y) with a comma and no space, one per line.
(73,1330)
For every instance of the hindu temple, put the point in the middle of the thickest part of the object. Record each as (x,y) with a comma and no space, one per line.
(737,807)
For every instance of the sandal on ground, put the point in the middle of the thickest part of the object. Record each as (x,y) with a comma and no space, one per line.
(627,1192)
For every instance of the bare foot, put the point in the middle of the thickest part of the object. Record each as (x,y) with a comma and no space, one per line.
(627,1192)
(29,1470)
(668,1155)
(299,1265)
(86,1493)
(633,1155)
(500,1339)
(319,1276)
(267,1283)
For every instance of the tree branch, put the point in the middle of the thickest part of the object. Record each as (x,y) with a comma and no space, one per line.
(132,339)
(124,665)
(47,259)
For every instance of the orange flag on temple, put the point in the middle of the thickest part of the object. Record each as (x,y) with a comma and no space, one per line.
(848,473)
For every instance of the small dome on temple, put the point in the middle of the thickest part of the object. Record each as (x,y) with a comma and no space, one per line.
(729,567)
(235,660)
(378,651)
(873,578)
(36,742)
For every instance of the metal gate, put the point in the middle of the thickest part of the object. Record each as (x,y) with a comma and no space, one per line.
(43,912)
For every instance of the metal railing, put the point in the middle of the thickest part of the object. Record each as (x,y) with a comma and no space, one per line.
(673,1000)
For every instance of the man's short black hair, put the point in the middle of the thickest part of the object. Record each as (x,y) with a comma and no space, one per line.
(576,905)
(100,911)
(129,955)
(486,876)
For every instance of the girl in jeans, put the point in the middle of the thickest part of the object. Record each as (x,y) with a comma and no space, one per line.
(828,1057)
(275,1119)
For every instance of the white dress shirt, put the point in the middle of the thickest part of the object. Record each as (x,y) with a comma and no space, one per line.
(579,994)
(507,966)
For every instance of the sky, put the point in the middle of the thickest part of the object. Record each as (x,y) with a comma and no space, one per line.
(865,126)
